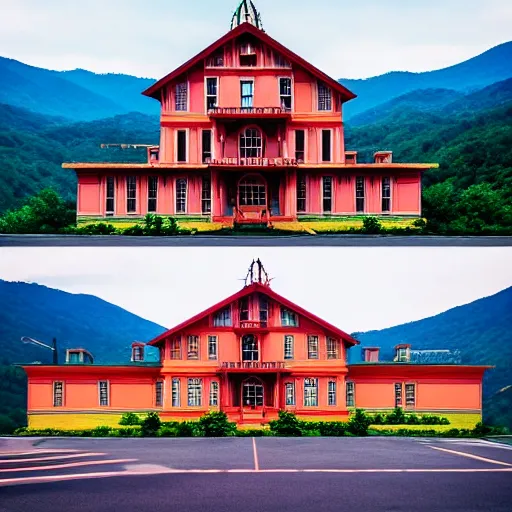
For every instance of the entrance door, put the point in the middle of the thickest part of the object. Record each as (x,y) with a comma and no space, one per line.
(252,393)
(252,198)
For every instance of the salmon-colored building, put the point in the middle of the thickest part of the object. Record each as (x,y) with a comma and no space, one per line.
(250,355)
(250,133)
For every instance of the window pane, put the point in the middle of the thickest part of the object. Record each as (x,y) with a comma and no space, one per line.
(333,348)
(103,391)
(301,193)
(386,194)
(410,395)
(350,389)
(176,348)
(251,143)
(110,195)
(290,393)
(252,192)
(131,194)
(159,393)
(182,146)
(176,400)
(285,91)
(398,395)
(310,392)
(326,145)
(289,318)
(327,194)
(324,97)
(288,347)
(207,145)
(360,191)
(212,347)
(195,388)
(312,347)
(331,390)
(181,195)
(222,318)
(58,394)
(152,193)
(247,94)
(250,350)
(300,145)
(181,93)
(214,394)
(193,347)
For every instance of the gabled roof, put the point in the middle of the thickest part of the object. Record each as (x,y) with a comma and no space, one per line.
(256,287)
(263,37)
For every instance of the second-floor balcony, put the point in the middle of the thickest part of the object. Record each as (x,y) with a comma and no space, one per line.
(250,112)
(252,365)
(251,162)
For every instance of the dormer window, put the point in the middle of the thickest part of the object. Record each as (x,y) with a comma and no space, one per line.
(289,318)
(324,97)
(137,352)
(402,353)
(223,318)
(248,57)
(78,356)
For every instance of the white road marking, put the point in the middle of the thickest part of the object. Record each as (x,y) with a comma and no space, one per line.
(69,465)
(471,456)
(38,452)
(56,457)
(255,453)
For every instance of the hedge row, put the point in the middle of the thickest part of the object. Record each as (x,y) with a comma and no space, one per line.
(398,417)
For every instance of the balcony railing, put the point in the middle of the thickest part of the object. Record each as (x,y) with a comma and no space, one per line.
(249,111)
(253,162)
(252,365)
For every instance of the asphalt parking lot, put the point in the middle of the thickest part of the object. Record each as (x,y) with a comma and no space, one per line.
(255,474)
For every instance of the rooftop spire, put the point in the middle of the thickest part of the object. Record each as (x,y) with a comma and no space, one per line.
(246,12)
(257,274)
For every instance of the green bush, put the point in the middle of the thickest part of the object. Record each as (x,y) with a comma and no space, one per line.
(150,425)
(128,432)
(166,431)
(253,432)
(130,419)
(188,429)
(371,226)
(287,425)
(216,424)
(378,419)
(99,228)
(397,417)
(333,428)
(102,431)
(359,423)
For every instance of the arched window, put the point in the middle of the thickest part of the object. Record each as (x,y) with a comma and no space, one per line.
(251,143)
(250,350)
(252,191)
(253,392)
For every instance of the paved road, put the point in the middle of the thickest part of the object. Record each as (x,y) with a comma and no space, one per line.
(253,241)
(260,475)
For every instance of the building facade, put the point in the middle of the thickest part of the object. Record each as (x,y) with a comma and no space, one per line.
(251,355)
(250,133)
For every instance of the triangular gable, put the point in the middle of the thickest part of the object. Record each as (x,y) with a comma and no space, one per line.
(248,290)
(153,91)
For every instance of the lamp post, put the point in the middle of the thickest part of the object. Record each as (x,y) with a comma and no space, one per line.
(52,347)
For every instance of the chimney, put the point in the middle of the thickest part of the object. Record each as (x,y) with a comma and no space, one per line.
(383,157)
(137,352)
(371,354)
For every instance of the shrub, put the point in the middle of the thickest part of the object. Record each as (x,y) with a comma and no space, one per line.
(188,429)
(397,417)
(412,419)
(216,424)
(101,431)
(166,431)
(371,226)
(128,432)
(136,230)
(359,423)
(129,419)
(378,419)
(287,425)
(253,432)
(333,428)
(150,425)
(99,228)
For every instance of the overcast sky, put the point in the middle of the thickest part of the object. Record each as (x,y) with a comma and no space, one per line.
(356,289)
(353,39)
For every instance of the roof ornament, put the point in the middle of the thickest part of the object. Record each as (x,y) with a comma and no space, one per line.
(246,12)
(257,274)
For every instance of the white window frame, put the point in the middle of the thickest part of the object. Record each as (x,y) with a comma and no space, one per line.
(206,95)
(318,84)
(313,337)
(306,135)
(414,387)
(221,322)
(364,194)
(332,393)
(187,145)
(337,348)
(289,394)
(134,211)
(350,391)
(107,382)
(279,78)
(390,193)
(250,79)
(195,392)
(193,339)
(287,323)
(289,346)
(176,195)
(54,385)
(156,195)
(257,344)
(213,341)
(176,96)
(259,149)
(321,146)
(172,351)
(176,392)
(162,391)
(110,213)
(398,386)
(332,193)
(311,398)
(214,393)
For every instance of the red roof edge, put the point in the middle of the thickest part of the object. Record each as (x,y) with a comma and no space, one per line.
(256,287)
(263,36)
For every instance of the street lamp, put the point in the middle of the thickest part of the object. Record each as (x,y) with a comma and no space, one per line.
(53,347)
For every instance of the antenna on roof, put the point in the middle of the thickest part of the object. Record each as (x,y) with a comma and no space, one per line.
(257,274)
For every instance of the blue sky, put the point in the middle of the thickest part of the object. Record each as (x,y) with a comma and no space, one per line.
(356,289)
(354,39)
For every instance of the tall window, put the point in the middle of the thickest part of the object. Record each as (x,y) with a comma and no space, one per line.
(181,195)
(159,393)
(181,145)
(324,97)
(333,348)
(290,393)
(252,191)
(137,353)
(223,318)
(301,193)
(212,93)
(207,145)
(176,393)
(285,93)
(176,348)
(195,391)
(212,348)
(131,194)
(193,347)
(410,395)
(263,303)
(350,388)
(312,347)
(326,145)
(300,146)
(181,97)
(360,194)
(398,394)
(331,392)
(243,312)
(103,393)
(327,194)
(386,194)
(206,195)
(250,350)
(288,347)
(110,206)
(310,392)
(152,193)
(289,318)
(214,394)
(58,394)
(251,143)
(247,93)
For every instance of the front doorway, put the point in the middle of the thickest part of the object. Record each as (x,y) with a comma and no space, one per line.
(253,393)
(252,197)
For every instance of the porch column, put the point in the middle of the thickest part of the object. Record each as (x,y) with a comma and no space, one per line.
(278,392)
(215,193)
(291,193)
